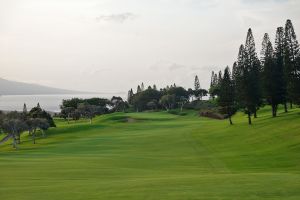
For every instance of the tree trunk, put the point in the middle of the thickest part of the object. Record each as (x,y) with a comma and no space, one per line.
(19,138)
(291,105)
(15,142)
(43,133)
(230,121)
(285,107)
(5,139)
(249,119)
(255,113)
(33,136)
(274,110)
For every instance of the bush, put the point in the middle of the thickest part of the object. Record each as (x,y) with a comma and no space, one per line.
(202,105)
(176,112)
(212,114)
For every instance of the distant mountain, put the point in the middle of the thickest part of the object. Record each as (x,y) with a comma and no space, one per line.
(18,88)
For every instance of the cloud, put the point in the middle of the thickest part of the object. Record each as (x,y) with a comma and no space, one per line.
(167,65)
(117,18)
(263,1)
(205,68)
(175,66)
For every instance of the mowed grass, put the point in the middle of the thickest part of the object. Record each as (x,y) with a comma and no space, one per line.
(158,156)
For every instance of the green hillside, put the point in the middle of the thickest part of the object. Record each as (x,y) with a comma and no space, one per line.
(158,156)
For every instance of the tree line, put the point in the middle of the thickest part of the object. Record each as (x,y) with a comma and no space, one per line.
(76,108)
(14,123)
(272,79)
(169,97)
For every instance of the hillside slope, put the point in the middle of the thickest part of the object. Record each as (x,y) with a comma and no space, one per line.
(158,156)
(18,88)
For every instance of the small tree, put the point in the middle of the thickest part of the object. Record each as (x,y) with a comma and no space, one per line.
(182,101)
(75,115)
(14,128)
(37,123)
(89,111)
(152,104)
(139,89)
(67,112)
(142,87)
(38,112)
(167,101)
(197,88)
(118,103)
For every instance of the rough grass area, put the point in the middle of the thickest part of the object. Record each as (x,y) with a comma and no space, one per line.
(158,155)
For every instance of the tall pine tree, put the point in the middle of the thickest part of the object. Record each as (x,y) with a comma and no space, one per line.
(291,53)
(139,89)
(279,61)
(254,77)
(197,83)
(249,78)
(273,76)
(197,88)
(226,96)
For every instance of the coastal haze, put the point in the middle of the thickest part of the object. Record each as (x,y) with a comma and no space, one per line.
(48,102)
(15,94)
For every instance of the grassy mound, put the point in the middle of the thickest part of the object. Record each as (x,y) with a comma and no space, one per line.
(159,156)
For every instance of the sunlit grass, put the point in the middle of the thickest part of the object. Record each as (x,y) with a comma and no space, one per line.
(158,156)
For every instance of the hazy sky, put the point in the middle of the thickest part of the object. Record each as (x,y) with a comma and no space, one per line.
(110,45)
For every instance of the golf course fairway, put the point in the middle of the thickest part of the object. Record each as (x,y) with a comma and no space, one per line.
(157,155)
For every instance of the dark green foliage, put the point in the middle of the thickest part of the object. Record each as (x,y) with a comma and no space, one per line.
(173,97)
(141,99)
(130,96)
(291,55)
(176,112)
(66,112)
(152,105)
(197,83)
(248,78)
(13,127)
(226,96)
(37,112)
(168,101)
(36,123)
(93,106)
(138,90)
(178,92)
(280,63)
(202,105)
(74,102)
(272,73)
(214,85)
(118,104)
(89,111)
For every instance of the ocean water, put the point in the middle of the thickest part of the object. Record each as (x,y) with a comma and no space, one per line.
(47,102)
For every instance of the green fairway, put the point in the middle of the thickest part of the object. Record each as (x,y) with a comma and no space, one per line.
(157,156)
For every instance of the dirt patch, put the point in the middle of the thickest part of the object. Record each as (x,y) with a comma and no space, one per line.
(212,114)
(130,120)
